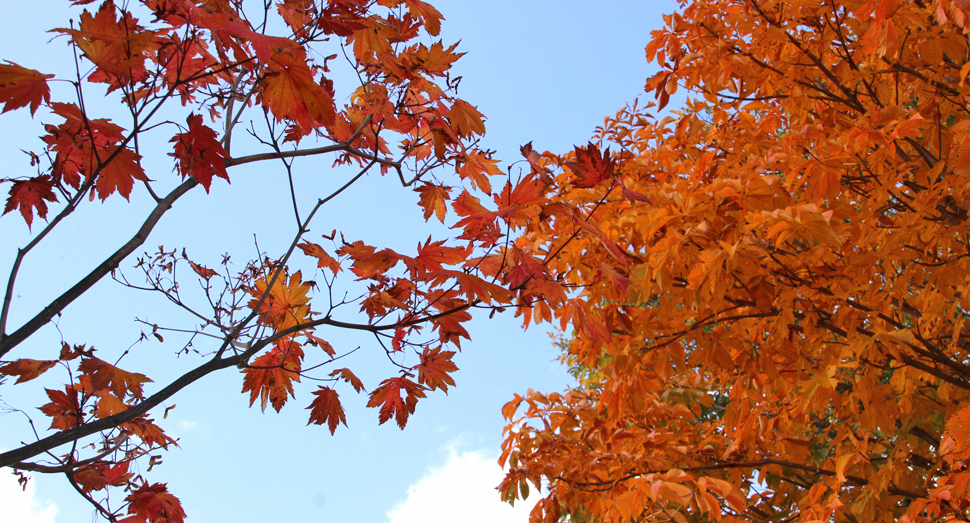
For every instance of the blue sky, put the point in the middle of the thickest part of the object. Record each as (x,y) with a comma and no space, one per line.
(541,71)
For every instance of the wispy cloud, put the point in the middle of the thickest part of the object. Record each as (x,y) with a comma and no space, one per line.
(463,489)
(19,505)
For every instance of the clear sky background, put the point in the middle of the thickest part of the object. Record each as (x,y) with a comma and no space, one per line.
(541,71)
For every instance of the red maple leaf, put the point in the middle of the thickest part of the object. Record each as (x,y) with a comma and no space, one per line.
(199,152)
(91,147)
(153,504)
(591,166)
(434,368)
(388,396)
(64,408)
(117,46)
(326,409)
(99,475)
(29,195)
(119,174)
(20,87)
(271,376)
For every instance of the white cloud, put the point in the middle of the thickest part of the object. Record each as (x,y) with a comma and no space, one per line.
(19,505)
(461,490)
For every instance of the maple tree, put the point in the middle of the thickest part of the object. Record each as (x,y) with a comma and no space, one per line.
(188,74)
(767,285)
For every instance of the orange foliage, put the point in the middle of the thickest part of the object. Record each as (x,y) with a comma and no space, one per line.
(770,316)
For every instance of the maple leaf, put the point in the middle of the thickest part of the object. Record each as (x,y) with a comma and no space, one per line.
(477,166)
(432,255)
(108,404)
(298,14)
(534,159)
(20,87)
(318,342)
(324,260)
(290,92)
(465,119)
(101,375)
(91,147)
(270,377)
(477,288)
(433,198)
(434,59)
(449,326)
(373,39)
(387,395)
(64,408)
(199,152)
(26,369)
(117,46)
(349,377)
(153,504)
(148,432)
(326,409)
(120,174)
(286,304)
(368,262)
(201,270)
(29,195)
(428,15)
(434,369)
(69,353)
(591,166)
(98,476)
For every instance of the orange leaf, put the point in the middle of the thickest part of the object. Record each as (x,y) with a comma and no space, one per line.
(466,119)
(101,375)
(271,376)
(291,93)
(27,369)
(433,198)
(477,166)
(349,377)
(20,87)
(427,13)
(148,432)
(324,260)
(286,304)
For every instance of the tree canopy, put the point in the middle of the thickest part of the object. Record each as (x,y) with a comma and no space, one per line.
(768,283)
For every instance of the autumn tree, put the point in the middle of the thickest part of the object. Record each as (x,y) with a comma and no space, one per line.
(768,284)
(219,84)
